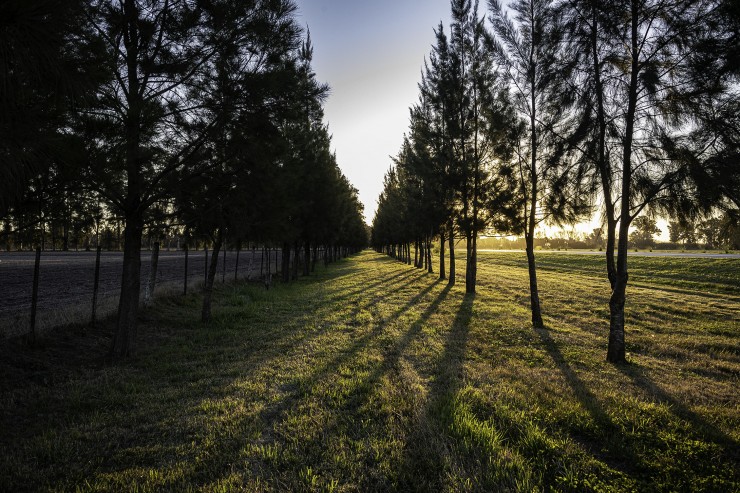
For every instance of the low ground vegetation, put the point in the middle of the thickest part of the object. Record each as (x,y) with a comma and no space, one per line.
(375,376)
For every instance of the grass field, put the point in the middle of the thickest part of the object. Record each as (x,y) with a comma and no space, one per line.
(374,376)
(698,274)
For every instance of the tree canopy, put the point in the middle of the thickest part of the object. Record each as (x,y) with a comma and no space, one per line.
(551,110)
(198,119)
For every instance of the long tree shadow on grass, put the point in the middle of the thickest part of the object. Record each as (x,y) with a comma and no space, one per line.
(210,354)
(191,383)
(217,464)
(618,445)
(372,294)
(327,300)
(702,429)
(349,409)
(426,454)
(619,453)
(394,283)
(297,391)
(406,275)
(294,390)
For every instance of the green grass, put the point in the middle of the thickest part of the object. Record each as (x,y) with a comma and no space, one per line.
(716,275)
(374,376)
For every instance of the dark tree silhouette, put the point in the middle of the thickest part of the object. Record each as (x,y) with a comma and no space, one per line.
(640,69)
(529,49)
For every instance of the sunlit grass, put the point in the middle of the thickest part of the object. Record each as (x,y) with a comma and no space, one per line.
(374,376)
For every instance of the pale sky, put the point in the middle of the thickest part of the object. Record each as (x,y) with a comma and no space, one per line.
(371,54)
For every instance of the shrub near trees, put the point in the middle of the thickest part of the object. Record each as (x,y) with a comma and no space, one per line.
(629,104)
(204,117)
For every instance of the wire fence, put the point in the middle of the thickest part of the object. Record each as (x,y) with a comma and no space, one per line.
(66,282)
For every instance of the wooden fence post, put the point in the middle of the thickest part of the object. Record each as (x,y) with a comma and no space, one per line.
(35,296)
(205,276)
(96,283)
(185,289)
(236,267)
(149,294)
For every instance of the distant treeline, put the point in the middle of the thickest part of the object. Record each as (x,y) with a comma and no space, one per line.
(711,234)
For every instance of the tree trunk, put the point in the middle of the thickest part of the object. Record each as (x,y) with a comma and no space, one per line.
(616,351)
(423,256)
(423,259)
(128,303)
(205,316)
(474,262)
(268,263)
(7,234)
(31,338)
(611,233)
(603,163)
(286,262)
(534,296)
(451,280)
(65,234)
(430,266)
(442,256)
(42,232)
(470,263)
(296,260)
(236,262)
(306,258)
(205,266)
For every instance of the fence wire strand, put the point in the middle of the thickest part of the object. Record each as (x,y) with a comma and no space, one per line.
(66,281)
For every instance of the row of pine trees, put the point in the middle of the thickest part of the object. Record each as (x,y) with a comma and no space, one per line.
(549,111)
(203,115)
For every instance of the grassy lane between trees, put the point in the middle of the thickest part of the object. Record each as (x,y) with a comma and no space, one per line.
(374,376)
